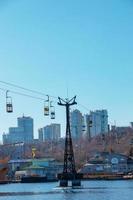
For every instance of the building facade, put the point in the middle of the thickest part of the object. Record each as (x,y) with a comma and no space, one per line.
(26,123)
(96,123)
(22,133)
(77,123)
(50,132)
(40,134)
(48,167)
(106,162)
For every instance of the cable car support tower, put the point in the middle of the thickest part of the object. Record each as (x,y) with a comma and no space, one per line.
(69,171)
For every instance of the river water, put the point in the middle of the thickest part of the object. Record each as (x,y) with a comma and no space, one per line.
(92,190)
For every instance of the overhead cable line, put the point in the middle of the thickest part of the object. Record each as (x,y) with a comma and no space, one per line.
(22,94)
(26,89)
(48,109)
(32,91)
(84,107)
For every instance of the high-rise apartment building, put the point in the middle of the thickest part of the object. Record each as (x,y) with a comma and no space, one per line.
(56,131)
(47,134)
(76,124)
(22,133)
(50,132)
(40,134)
(96,123)
(26,123)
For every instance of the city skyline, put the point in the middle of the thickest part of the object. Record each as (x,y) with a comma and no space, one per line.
(82,125)
(69,48)
(77,119)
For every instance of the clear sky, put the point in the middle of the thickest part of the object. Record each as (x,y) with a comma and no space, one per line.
(83,45)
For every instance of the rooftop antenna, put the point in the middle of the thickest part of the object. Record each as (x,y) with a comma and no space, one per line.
(67,93)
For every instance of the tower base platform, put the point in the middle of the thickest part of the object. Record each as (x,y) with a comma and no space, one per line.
(74,179)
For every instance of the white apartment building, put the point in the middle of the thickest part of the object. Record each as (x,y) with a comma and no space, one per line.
(50,132)
(96,123)
(76,124)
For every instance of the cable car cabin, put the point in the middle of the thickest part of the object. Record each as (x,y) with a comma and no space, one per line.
(9,107)
(52,111)
(52,114)
(46,110)
(46,106)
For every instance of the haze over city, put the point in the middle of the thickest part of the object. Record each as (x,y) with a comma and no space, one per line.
(67,48)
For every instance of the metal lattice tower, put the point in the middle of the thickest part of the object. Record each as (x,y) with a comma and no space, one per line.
(69,170)
(69,162)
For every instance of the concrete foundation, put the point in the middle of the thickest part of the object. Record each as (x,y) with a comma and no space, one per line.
(63,183)
(76,183)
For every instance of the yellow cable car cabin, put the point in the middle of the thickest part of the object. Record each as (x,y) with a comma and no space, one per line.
(46,106)
(46,110)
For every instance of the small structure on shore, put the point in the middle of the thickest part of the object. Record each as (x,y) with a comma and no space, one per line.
(45,167)
(107,163)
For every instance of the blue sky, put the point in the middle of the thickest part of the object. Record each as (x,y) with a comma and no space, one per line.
(85,46)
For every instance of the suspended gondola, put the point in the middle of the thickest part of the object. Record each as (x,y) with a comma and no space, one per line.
(52,111)
(46,106)
(9,105)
